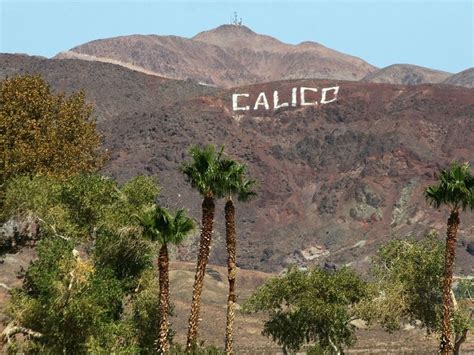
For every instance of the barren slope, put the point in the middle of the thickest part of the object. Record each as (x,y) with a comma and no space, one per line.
(464,78)
(406,74)
(226,56)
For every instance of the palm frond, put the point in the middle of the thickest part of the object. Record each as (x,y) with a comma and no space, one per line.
(161,225)
(455,188)
(246,191)
(201,171)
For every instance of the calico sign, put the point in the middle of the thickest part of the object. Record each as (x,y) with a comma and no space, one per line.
(300,96)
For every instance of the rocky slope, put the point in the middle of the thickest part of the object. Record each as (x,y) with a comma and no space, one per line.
(336,180)
(226,56)
(406,74)
(464,78)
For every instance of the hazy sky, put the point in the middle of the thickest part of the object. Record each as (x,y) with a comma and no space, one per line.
(436,34)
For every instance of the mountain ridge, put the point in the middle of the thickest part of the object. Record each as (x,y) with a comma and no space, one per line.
(235,55)
(227,56)
(464,78)
(407,74)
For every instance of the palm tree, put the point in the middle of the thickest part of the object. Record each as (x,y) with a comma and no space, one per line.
(203,174)
(233,182)
(455,189)
(162,226)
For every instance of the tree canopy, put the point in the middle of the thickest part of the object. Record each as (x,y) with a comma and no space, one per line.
(165,227)
(313,307)
(455,188)
(233,180)
(407,288)
(204,169)
(45,133)
(88,290)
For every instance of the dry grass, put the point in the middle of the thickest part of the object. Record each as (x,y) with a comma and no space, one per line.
(248,327)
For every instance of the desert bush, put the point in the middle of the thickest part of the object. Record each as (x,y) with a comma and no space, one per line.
(313,307)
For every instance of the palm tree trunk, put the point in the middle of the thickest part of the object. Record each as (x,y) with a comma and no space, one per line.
(446,344)
(163,269)
(208,210)
(232,270)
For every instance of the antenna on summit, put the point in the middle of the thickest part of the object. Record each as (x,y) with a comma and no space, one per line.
(235,20)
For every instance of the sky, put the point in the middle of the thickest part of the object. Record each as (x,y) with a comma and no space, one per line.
(436,34)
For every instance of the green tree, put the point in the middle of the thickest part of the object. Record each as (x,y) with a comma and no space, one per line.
(455,189)
(78,294)
(162,226)
(203,174)
(81,205)
(234,182)
(407,288)
(314,307)
(44,133)
(66,301)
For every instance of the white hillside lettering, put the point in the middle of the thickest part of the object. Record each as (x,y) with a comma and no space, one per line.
(261,101)
(308,96)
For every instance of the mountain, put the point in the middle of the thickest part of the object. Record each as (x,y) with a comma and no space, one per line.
(227,56)
(406,74)
(336,180)
(464,78)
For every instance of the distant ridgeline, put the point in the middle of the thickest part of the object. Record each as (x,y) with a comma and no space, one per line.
(299,96)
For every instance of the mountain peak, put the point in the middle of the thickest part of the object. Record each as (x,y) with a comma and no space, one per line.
(226,30)
(236,36)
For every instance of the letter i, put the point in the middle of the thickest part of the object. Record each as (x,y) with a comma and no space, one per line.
(293,97)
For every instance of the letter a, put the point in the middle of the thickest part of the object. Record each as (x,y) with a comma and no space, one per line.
(263,98)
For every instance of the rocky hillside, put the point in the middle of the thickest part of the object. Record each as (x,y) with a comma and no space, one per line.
(226,56)
(406,74)
(464,78)
(336,180)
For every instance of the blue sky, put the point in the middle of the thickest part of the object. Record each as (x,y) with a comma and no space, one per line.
(436,34)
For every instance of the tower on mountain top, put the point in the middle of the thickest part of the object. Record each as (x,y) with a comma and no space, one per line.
(235,20)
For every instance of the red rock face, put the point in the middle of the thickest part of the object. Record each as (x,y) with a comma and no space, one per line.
(339,179)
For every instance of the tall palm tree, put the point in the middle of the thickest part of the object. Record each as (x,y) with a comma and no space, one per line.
(455,189)
(162,226)
(203,174)
(233,182)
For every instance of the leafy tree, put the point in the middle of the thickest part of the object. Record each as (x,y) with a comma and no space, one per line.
(81,205)
(203,174)
(87,292)
(314,306)
(455,189)
(162,226)
(234,182)
(143,312)
(44,133)
(407,288)
(66,300)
